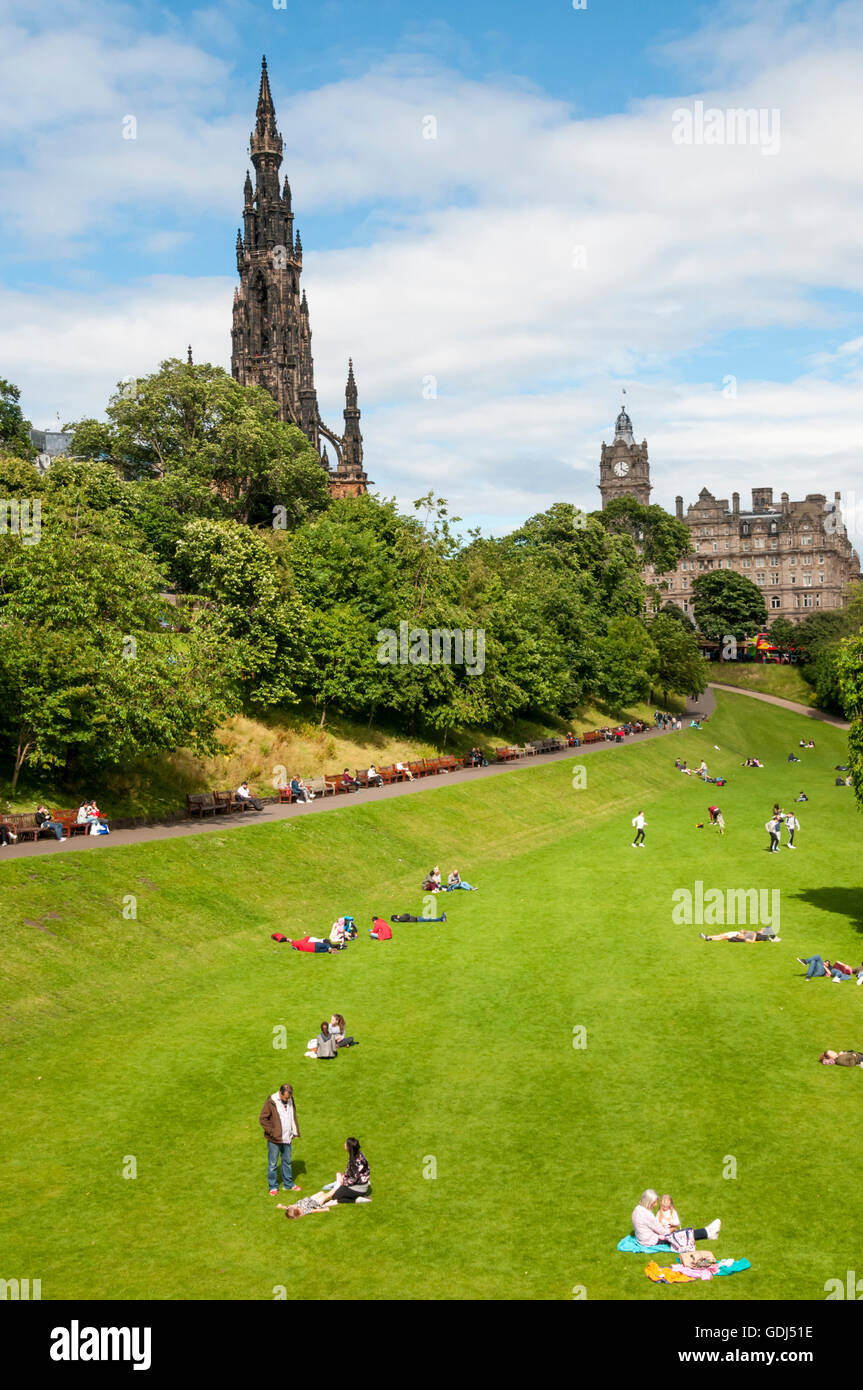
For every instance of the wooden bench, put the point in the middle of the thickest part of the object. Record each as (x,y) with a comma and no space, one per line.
(203,804)
(320,786)
(448,763)
(506,755)
(594,736)
(23,824)
(285,795)
(230,802)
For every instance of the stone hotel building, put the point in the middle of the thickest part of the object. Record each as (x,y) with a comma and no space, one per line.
(797,552)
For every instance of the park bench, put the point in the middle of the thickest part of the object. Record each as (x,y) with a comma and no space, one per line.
(593,736)
(506,755)
(448,763)
(23,824)
(230,802)
(203,804)
(320,786)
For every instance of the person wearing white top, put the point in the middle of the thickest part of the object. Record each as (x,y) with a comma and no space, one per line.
(640,825)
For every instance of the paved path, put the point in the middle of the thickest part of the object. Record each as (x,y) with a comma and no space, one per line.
(784,704)
(276,812)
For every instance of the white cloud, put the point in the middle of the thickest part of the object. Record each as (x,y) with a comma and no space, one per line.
(467,264)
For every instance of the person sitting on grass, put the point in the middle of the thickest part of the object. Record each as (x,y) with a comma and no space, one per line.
(380,930)
(841,1059)
(764,934)
(313,944)
(456,881)
(666,1215)
(649,1230)
(353,1184)
(338,935)
(792,758)
(432,881)
(801,797)
(324,1046)
(338,1030)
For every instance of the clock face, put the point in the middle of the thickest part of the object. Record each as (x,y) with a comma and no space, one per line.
(621,468)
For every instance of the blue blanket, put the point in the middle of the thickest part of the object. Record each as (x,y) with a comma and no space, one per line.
(631,1247)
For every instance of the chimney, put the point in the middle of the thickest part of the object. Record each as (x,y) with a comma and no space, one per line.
(678,503)
(762,497)
(786,505)
(735,504)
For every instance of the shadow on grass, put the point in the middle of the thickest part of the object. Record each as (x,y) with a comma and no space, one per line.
(846,902)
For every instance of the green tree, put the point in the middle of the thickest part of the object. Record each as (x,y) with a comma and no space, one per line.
(628,663)
(727,603)
(14,429)
(662,540)
(218,436)
(673,610)
(680,667)
(783,633)
(90,673)
(849,672)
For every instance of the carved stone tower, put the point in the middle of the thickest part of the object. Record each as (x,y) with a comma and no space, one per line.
(271,335)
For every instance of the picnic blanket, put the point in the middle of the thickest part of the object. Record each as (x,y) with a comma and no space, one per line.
(631,1246)
(679,1274)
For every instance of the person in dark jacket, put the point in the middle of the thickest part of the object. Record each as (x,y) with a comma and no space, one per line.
(353,1184)
(45,821)
(278,1119)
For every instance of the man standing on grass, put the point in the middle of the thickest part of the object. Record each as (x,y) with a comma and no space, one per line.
(773,827)
(640,825)
(279,1122)
(792,825)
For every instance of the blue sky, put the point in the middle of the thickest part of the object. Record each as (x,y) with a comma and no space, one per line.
(457,259)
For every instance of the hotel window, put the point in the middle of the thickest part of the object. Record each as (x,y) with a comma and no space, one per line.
(774,577)
(807,559)
(745,564)
(821,559)
(807,600)
(745,545)
(817,600)
(684,583)
(759,579)
(792,559)
(775,601)
(759,544)
(774,545)
(686,605)
(759,562)
(807,540)
(696,547)
(807,580)
(821,579)
(727,545)
(796,600)
(715,547)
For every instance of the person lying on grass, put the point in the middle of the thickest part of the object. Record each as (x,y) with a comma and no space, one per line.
(406,917)
(765,934)
(314,944)
(817,968)
(841,1059)
(649,1230)
(307,1206)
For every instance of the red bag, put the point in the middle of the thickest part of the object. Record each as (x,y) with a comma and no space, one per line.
(277,936)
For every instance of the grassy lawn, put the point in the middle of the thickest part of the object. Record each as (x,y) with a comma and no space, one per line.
(785,681)
(154,1039)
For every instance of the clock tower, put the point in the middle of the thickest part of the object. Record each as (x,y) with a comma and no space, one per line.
(623,467)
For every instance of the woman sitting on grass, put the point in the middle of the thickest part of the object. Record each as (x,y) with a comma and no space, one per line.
(324,1046)
(649,1230)
(353,1184)
(765,934)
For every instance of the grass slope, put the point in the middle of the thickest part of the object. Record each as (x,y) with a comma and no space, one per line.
(154,1039)
(788,682)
